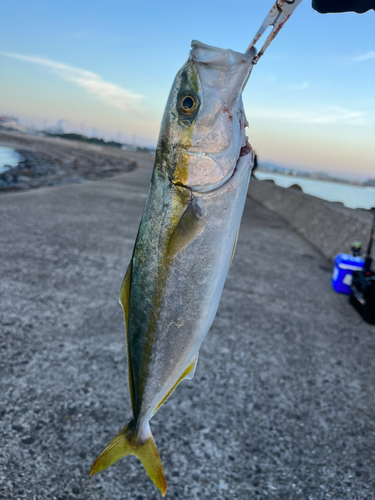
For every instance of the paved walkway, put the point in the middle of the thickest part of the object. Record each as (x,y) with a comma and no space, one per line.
(282,402)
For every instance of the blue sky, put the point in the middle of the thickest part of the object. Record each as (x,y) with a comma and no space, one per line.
(108,67)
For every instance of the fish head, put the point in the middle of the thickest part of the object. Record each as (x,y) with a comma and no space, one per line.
(204,121)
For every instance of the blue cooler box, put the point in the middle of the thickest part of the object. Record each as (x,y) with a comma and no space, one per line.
(343,271)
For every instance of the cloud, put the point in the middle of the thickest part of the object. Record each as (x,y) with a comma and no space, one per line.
(365,57)
(329,115)
(93,84)
(295,88)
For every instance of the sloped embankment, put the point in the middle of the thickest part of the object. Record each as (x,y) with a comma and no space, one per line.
(329,227)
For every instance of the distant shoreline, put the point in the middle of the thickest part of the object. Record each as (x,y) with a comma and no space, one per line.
(47,161)
(320,179)
(350,195)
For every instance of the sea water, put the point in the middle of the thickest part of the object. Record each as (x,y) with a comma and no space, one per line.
(8,159)
(351,196)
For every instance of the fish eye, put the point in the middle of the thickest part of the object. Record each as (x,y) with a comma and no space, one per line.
(188,104)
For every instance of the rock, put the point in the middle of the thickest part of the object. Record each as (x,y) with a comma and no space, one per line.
(28,440)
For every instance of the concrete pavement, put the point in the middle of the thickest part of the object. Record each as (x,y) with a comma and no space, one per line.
(282,402)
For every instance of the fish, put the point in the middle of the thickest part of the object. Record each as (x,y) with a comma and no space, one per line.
(186,240)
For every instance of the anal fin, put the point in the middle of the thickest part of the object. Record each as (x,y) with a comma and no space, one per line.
(188,374)
(192,367)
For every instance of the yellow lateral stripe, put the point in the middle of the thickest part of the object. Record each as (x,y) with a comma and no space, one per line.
(181,198)
(180,175)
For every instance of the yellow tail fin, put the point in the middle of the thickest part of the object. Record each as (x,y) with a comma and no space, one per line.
(126,443)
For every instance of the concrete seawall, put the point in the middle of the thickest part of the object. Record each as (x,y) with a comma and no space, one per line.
(329,227)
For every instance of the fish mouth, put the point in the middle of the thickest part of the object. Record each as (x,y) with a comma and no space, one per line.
(224,69)
(245,150)
(218,57)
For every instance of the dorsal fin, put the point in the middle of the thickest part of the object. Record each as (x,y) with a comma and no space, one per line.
(124,301)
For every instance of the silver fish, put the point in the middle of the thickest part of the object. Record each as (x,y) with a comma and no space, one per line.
(186,239)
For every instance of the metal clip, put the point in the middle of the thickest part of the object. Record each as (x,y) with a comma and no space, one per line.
(277,17)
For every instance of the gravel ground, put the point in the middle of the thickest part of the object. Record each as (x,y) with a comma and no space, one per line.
(48,161)
(282,402)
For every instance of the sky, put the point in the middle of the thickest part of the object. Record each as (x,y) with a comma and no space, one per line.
(106,68)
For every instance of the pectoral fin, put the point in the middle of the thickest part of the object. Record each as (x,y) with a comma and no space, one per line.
(188,229)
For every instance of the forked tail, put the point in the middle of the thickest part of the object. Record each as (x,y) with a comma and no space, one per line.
(127,443)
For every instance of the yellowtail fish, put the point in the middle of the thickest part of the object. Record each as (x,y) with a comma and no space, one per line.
(186,240)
